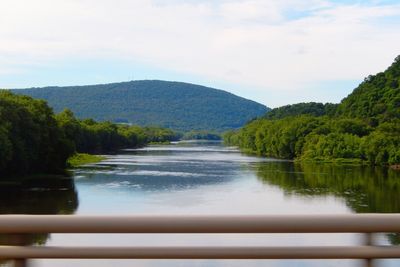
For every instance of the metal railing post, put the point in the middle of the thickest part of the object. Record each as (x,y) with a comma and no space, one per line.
(369,241)
(20,263)
(19,240)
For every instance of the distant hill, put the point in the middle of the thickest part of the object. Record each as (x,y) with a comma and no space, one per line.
(175,105)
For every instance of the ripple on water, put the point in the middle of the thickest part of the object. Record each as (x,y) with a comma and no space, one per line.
(120,184)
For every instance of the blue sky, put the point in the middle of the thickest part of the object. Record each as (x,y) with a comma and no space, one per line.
(274,52)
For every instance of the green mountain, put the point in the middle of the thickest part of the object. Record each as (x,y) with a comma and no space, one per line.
(363,128)
(378,97)
(175,105)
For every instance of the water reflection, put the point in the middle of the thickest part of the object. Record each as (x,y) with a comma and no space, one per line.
(47,195)
(364,188)
(166,168)
(205,178)
(39,195)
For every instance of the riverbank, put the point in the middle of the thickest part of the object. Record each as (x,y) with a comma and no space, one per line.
(80,159)
(334,161)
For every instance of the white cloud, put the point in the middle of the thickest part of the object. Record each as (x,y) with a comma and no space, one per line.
(274,46)
(251,11)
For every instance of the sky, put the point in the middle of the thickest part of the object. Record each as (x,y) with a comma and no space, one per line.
(276,52)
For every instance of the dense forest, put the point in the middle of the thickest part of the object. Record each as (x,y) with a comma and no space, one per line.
(364,127)
(35,140)
(174,105)
(201,135)
(311,108)
(89,136)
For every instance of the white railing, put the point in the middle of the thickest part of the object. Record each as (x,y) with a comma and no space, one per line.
(22,225)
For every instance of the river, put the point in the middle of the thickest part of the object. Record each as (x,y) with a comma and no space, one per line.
(208,178)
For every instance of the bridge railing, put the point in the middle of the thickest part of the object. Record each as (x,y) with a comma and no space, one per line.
(22,225)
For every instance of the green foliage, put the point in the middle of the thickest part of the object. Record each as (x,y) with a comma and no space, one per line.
(89,136)
(332,146)
(231,137)
(365,127)
(311,108)
(275,138)
(377,98)
(160,135)
(383,145)
(201,135)
(30,139)
(320,138)
(173,105)
(34,140)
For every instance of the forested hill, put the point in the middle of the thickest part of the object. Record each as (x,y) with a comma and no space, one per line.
(363,128)
(378,97)
(310,108)
(175,105)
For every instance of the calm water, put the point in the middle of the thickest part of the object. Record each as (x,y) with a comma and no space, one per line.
(207,178)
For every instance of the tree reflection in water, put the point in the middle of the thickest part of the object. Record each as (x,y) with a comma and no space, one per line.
(365,189)
(39,195)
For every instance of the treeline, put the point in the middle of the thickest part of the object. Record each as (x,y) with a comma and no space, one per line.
(35,140)
(201,135)
(89,136)
(320,139)
(364,127)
